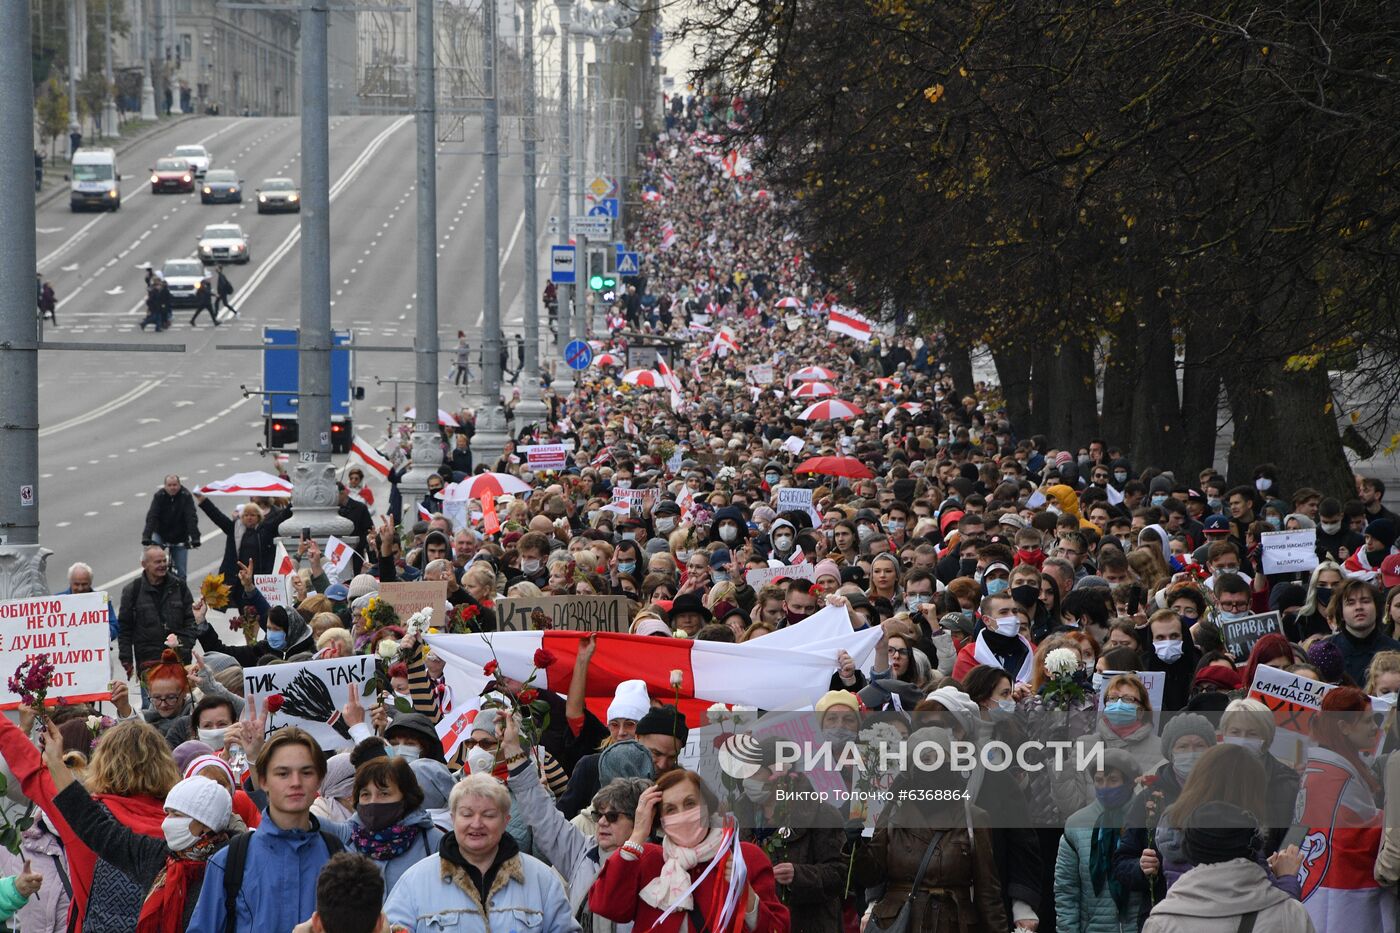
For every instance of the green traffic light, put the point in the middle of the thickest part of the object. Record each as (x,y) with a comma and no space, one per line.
(595,282)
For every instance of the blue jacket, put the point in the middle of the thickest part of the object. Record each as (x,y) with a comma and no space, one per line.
(434,896)
(279,882)
(394,868)
(1077,908)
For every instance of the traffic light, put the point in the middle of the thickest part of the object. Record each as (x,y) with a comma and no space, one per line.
(602,283)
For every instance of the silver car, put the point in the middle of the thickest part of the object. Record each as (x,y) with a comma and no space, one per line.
(223,243)
(197,156)
(186,280)
(279,194)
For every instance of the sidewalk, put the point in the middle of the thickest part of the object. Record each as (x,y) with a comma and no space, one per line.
(135,132)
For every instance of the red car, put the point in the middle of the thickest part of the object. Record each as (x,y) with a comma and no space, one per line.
(172,175)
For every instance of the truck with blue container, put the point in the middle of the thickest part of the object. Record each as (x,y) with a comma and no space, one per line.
(281,382)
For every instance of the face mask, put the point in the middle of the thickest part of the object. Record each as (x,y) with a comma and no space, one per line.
(379,816)
(1168,652)
(214,738)
(276,640)
(1158,499)
(1254,745)
(530,566)
(682,556)
(966,567)
(1274,521)
(1127,543)
(1026,594)
(793,617)
(783,542)
(1213,504)
(1263,484)
(406,752)
(839,736)
(1331,528)
(622,484)
(912,603)
(665,526)
(176,830)
(593,515)
(894,527)
(1232,616)
(865,533)
(755,790)
(1120,476)
(719,576)
(629,536)
(627,566)
(1111,798)
(1008,625)
(1183,763)
(1120,712)
(997,586)
(1098,680)
(727,533)
(480,761)
(687,828)
(1004,710)
(772,478)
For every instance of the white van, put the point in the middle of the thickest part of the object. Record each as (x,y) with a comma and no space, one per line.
(95,181)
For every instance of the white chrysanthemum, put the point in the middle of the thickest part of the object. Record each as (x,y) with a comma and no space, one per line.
(388,648)
(1061,662)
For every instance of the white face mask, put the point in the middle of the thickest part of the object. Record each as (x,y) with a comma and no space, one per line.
(1263,484)
(1331,527)
(727,533)
(665,525)
(480,761)
(1254,745)
(1008,625)
(530,566)
(782,542)
(176,830)
(407,751)
(1168,651)
(214,738)
(755,790)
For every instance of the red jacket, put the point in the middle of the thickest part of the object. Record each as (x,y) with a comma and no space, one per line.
(139,814)
(616,893)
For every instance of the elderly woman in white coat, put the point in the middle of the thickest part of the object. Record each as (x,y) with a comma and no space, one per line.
(479,878)
(576,855)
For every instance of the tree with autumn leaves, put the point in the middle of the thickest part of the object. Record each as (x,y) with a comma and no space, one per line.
(1111,196)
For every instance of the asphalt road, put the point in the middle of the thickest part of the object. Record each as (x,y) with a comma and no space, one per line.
(112,424)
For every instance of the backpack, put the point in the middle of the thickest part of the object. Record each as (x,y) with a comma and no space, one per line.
(238,859)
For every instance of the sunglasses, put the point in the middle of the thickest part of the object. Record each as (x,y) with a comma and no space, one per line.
(610,816)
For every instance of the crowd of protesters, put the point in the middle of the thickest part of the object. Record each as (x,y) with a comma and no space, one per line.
(1015,589)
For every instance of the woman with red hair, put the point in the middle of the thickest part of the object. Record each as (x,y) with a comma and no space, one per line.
(1270,651)
(1342,819)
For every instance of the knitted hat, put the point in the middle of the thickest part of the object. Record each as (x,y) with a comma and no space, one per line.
(1122,761)
(1383,530)
(1185,724)
(362,584)
(203,800)
(628,758)
(1327,658)
(826,568)
(664,720)
(485,721)
(630,701)
(1223,678)
(1084,583)
(340,777)
(838,698)
(188,751)
(211,761)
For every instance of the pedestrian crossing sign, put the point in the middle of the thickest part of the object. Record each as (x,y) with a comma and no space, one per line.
(628,264)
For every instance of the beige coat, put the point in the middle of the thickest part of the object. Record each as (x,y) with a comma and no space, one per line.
(1213,898)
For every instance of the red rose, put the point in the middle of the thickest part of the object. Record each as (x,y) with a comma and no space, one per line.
(273,703)
(544,658)
(528,696)
(470,612)
(492,666)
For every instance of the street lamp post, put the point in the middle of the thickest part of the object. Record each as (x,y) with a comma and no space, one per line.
(531,407)
(585,296)
(148,88)
(490,434)
(110,121)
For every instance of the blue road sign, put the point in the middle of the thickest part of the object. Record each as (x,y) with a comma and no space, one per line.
(562,265)
(628,264)
(604,208)
(578,354)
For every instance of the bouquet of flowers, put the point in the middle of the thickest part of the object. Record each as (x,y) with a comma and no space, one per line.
(214,591)
(462,619)
(526,702)
(1067,682)
(378,614)
(31,681)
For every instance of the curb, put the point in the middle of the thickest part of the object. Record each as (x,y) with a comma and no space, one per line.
(126,143)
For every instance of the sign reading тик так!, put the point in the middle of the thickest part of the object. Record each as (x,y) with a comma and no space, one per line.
(72,631)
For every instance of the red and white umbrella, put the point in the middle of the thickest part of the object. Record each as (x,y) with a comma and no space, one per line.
(445,418)
(813,390)
(256,483)
(812,374)
(484,486)
(789,302)
(608,359)
(912,407)
(830,410)
(884,382)
(645,378)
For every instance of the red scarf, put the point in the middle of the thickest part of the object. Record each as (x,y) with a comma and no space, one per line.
(164,909)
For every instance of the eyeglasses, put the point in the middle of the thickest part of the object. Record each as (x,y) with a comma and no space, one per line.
(610,816)
(165,697)
(485,744)
(899,652)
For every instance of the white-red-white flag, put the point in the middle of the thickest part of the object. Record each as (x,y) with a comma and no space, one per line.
(845,321)
(364,452)
(337,558)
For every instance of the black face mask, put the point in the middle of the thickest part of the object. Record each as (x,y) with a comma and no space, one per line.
(1026,594)
(968,567)
(377,817)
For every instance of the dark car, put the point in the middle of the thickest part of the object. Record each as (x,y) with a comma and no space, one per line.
(172,175)
(279,194)
(221,186)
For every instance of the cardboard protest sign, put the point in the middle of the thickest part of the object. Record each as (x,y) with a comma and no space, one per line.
(311,695)
(1154,681)
(797,499)
(273,588)
(408,598)
(1240,635)
(634,499)
(546,456)
(72,631)
(762,576)
(760,375)
(1289,551)
(565,613)
(794,445)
